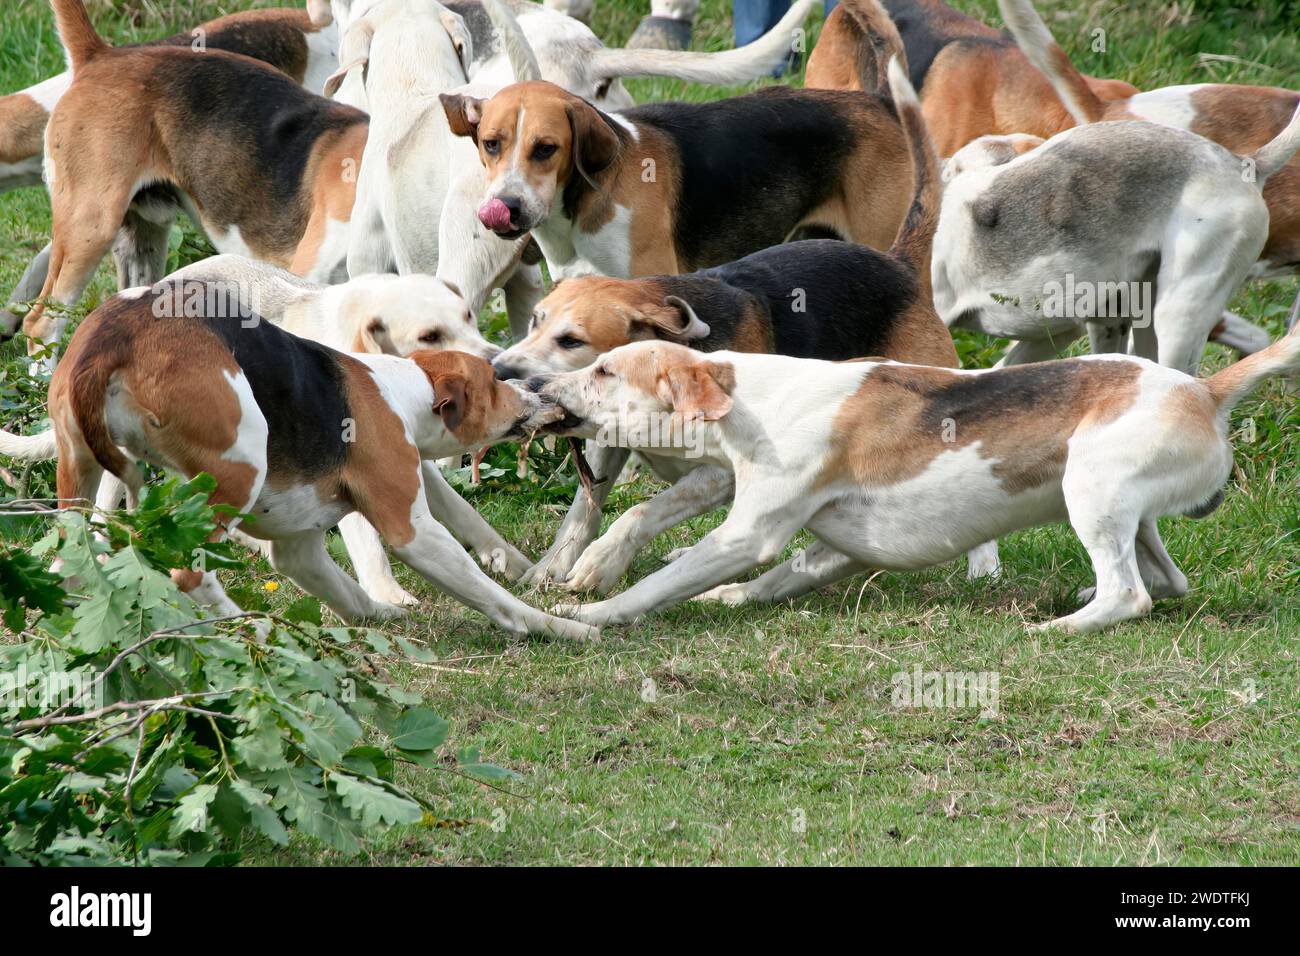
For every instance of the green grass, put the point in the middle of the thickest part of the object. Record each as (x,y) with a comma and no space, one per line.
(1171,740)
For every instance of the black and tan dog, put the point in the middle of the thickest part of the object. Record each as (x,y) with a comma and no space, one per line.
(668,188)
(818,298)
(267,169)
(296,435)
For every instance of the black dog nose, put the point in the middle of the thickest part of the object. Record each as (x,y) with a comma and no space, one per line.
(537,382)
(515,206)
(505,371)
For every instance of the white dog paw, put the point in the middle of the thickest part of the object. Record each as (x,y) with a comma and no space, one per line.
(593,572)
(732,595)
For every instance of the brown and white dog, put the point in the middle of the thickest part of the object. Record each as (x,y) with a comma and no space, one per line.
(816,298)
(668,188)
(902,467)
(284,38)
(264,167)
(296,435)
(973,79)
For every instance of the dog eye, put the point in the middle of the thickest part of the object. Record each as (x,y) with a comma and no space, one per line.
(569,343)
(431,337)
(491,146)
(543,151)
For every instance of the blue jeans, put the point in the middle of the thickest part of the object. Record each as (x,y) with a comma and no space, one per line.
(753,18)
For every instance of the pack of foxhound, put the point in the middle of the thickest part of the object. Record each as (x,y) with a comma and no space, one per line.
(753,296)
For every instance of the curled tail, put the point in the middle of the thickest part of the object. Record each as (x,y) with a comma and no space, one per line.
(1042,50)
(916,235)
(1235,382)
(1277,152)
(727,67)
(38,447)
(80,41)
(860,31)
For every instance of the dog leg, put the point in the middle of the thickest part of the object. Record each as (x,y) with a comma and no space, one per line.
(818,566)
(1104,338)
(304,560)
(982,561)
(1027,351)
(27,290)
(434,553)
(524,289)
(1163,578)
(467,525)
(370,563)
(753,534)
(582,523)
(140,247)
(1108,529)
(605,562)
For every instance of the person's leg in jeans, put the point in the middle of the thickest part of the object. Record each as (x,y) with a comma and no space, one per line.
(753,18)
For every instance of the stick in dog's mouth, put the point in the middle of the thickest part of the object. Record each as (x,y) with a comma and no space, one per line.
(585,476)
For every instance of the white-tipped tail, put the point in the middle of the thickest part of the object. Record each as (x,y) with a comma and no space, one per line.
(1273,155)
(1042,50)
(1240,379)
(523,60)
(726,67)
(39,447)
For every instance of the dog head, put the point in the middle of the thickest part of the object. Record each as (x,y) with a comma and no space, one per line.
(584,318)
(533,140)
(631,390)
(475,407)
(398,315)
(359,21)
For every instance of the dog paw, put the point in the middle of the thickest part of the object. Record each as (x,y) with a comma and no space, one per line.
(594,614)
(384,611)
(553,568)
(595,572)
(732,595)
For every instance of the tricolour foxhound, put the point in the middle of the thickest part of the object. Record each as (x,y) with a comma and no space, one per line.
(903,466)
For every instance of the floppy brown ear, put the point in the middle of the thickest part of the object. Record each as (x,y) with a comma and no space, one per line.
(595,144)
(676,320)
(450,399)
(463,113)
(700,389)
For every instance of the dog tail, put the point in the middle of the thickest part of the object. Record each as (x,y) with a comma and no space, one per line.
(1042,50)
(39,447)
(915,237)
(80,40)
(523,61)
(864,29)
(1277,152)
(727,67)
(1235,382)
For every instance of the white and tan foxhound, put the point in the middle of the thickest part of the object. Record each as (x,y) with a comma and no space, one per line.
(902,466)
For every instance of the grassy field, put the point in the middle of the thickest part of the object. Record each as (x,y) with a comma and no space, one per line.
(768,734)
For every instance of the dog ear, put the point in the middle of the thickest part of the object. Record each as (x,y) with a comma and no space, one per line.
(450,399)
(595,144)
(319,13)
(463,113)
(454,24)
(354,51)
(699,389)
(676,320)
(375,338)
